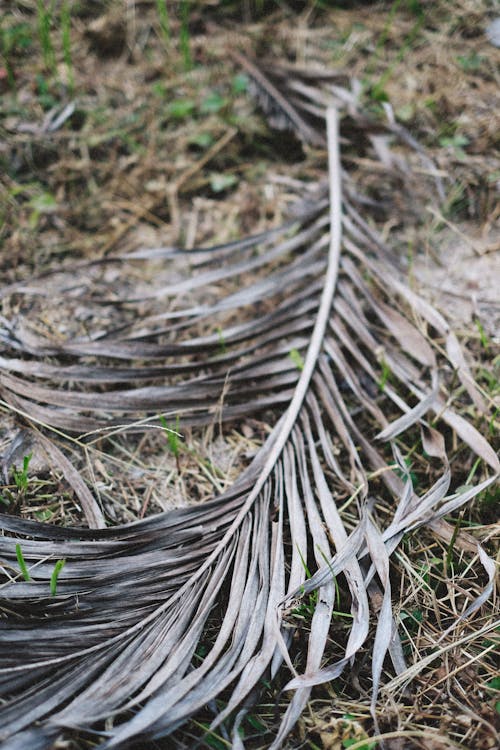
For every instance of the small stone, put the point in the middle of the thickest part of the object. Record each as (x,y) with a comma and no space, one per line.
(493,32)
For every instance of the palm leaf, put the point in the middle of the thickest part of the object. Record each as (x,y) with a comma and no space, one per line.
(210,338)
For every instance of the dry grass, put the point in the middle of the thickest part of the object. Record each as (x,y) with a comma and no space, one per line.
(154,154)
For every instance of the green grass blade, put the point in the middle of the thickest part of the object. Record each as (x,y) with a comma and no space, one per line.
(22,563)
(55,575)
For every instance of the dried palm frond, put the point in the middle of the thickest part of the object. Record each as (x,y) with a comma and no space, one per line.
(210,338)
(295,99)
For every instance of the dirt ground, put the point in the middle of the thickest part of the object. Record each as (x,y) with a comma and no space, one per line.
(122,128)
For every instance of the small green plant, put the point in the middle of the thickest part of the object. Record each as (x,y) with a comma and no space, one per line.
(376,90)
(14,40)
(202,140)
(386,374)
(255,723)
(470,476)
(412,622)
(55,575)
(382,40)
(201,651)
(184,36)
(456,143)
(491,381)
(313,598)
(42,203)
(305,609)
(335,581)
(411,474)
(173,438)
(44,515)
(221,181)
(22,564)
(296,358)
(350,742)
(471,63)
(161,8)
(492,423)
(181,108)
(213,103)
(222,341)
(240,83)
(45,97)
(483,336)
(45,14)
(21,476)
